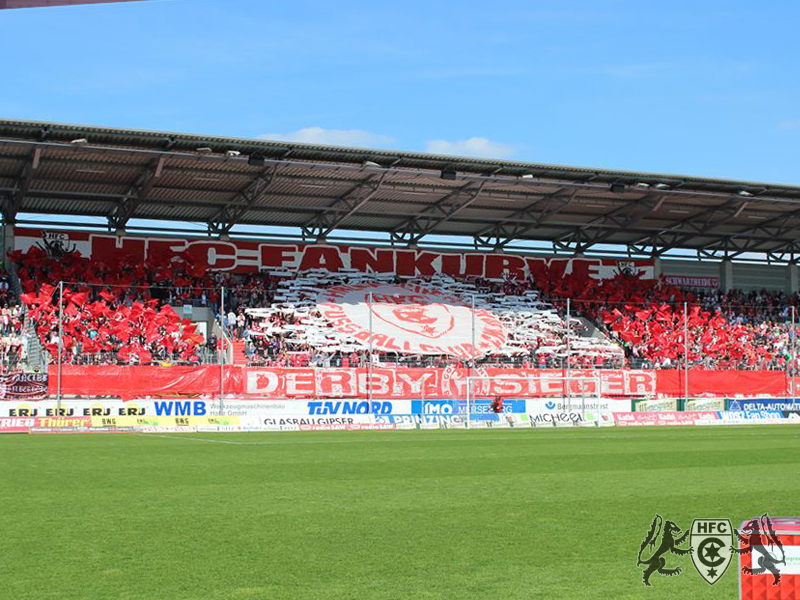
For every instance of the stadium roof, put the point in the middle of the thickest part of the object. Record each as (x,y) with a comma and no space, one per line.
(119,174)
(45,3)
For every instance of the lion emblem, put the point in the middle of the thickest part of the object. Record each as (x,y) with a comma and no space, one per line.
(653,558)
(758,535)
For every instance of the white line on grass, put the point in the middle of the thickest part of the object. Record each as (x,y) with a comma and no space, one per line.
(388,438)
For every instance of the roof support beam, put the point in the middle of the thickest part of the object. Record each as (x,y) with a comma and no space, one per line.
(781,221)
(523,220)
(229,215)
(728,208)
(622,217)
(126,208)
(344,207)
(414,229)
(13,203)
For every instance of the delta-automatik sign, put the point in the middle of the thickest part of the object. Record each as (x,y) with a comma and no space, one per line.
(45,3)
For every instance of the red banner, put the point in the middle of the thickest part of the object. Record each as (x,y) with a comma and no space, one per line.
(399,383)
(243,256)
(722,383)
(448,383)
(137,381)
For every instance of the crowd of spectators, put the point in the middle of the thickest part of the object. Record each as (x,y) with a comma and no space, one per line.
(13,345)
(114,313)
(120,312)
(664,327)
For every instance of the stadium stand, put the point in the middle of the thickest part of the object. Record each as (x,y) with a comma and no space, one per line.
(113,313)
(121,313)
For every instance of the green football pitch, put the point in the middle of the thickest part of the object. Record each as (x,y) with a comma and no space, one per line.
(500,514)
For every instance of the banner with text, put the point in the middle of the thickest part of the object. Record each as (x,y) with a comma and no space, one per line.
(242,256)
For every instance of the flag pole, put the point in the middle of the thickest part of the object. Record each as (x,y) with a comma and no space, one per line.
(793,356)
(60,340)
(686,351)
(371,349)
(470,380)
(567,393)
(221,347)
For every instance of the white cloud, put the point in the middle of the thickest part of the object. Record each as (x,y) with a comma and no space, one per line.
(475,146)
(790,124)
(332,137)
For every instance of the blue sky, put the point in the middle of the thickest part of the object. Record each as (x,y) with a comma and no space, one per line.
(702,88)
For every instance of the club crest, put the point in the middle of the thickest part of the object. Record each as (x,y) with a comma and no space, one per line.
(711,544)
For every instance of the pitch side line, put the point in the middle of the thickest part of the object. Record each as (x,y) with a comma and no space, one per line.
(350,440)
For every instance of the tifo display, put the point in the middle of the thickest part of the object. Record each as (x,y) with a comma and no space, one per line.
(326,306)
(158,334)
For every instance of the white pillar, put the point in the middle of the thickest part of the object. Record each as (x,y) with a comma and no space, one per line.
(792,279)
(656,267)
(726,275)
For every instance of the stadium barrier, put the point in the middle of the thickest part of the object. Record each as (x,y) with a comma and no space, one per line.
(191,415)
(442,383)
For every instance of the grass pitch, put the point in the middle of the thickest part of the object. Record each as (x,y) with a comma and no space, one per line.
(500,514)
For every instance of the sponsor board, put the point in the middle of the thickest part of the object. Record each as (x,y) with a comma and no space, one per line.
(137,422)
(653,419)
(582,405)
(558,419)
(16,424)
(748,417)
(703,404)
(280,423)
(738,405)
(658,405)
(106,408)
(346,426)
(477,407)
(685,281)
(769,558)
(792,555)
(793,416)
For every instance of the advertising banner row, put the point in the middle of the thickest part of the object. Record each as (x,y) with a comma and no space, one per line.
(265,415)
(299,408)
(397,383)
